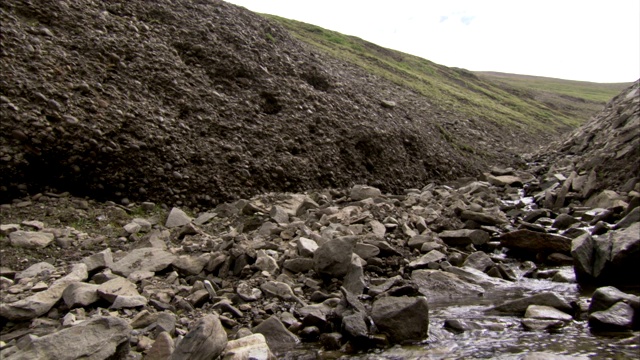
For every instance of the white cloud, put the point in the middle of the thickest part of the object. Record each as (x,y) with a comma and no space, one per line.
(581,40)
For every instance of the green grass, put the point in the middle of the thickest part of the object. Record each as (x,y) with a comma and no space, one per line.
(531,104)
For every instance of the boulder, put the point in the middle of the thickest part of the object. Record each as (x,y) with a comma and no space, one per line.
(464,237)
(278,337)
(113,288)
(533,241)
(99,261)
(144,259)
(543,312)
(402,319)
(80,294)
(162,348)
(30,239)
(361,192)
(606,199)
(252,347)
(607,296)
(436,284)
(177,218)
(618,317)
(205,340)
(40,303)
(98,338)
(334,257)
(520,306)
(41,268)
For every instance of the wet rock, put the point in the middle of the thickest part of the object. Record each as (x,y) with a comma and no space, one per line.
(361,192)
(531,241)
(464,237)
(435,284)
(145,259)
(550,356)
(30,239)
(542,324)
(632,217)
(618,317)
(334,257)
(177,218)
(402,319)
(605,297)
(606,199)
(98,338)
(205,340)
(479,260)
(543,312)
(41,302)
(278,337)
(253,346)
(564,221)
(520,306)
(331,341)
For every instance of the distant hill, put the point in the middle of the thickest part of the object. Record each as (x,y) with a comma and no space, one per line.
(579,99)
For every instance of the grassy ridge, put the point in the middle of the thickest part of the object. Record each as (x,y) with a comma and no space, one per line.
(535,104)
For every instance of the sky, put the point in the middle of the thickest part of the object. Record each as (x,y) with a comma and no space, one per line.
(586,40)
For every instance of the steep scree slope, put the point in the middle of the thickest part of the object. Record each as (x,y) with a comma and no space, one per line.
(609,143)
(201,101)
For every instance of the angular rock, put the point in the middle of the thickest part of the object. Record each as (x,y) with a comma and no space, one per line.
(606,199)
(252,347)
(279,215)
(98,338)
(248,293)
(205,340)
(41,268)
(298,265)
(119,286)
(479,260)
(277,289)
(125,302)
(80,294)
(618,317)
(145,259)
(426,259)
(191,265)
(582,252)
(334,257)
(40,303)
(355,326)
(177,218)
(162,348)
(605,297)
(505,180)
(30,239)
(541,324)
(278,337)
(306,247)
(563,221)
(361,192)
(99,261)
(543,312)
(354,279)
(436,284)
(482,218)
(366,251)
(520,306)
(464,237)
(402,319)
(532,241)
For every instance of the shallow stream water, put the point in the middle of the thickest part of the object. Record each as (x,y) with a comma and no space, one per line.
(507,339)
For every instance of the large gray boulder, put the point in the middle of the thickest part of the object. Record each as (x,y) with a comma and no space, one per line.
(206,340)
(612,258)
(94,339)
(402,319)
(534,242)
(333,258)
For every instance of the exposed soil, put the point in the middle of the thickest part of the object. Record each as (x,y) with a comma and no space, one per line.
(198,102)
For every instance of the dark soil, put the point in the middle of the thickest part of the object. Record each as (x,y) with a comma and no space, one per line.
(192,103)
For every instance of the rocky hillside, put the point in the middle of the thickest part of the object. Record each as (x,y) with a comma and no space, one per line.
(607,146)
(193,103)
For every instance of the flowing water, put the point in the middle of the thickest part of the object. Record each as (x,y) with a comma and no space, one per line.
(503,337)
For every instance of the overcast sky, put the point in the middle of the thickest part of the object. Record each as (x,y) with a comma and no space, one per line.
(569,39)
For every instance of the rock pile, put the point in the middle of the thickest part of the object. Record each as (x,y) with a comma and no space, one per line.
(346,269)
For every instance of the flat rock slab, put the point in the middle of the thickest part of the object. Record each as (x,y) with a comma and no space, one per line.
(543,312)
(145,259)
(534,241)
(436,284)
(30,239)
(93,339)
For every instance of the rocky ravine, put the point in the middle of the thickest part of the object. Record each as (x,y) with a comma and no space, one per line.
(343,270)
(200,102)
